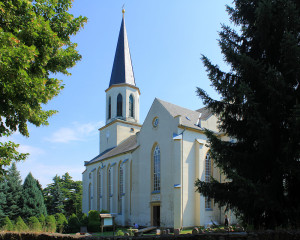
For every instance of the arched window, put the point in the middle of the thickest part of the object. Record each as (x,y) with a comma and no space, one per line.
(109,186)
(90,196)
(121,187)
(131,106)
(208,173)
(99,189)
(119,105)
(156,169)
(109,108)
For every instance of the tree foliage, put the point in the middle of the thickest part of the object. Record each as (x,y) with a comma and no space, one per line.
(20,225)
(64,195)
(13,195)
(50,224)
(94,221)
(260,110)
(73,224)
(61,222)
(34,224)
(33,200)
(3,189)
(35,44)
(7,224)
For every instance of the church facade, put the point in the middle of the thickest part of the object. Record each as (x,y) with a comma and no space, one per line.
(145,173)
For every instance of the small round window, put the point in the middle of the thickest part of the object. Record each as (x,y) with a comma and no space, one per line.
(155,122)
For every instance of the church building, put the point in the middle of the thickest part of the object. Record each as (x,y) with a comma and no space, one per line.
(145,173)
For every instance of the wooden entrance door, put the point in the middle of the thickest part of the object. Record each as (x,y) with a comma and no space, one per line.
(156,216)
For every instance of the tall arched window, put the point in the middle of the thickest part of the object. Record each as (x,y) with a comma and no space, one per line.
(208,173)
(99,189)
(121,187)
(156,169)
(119,105)
(109,108)
(131,106)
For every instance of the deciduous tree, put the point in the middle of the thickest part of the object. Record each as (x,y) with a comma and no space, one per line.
(35,44)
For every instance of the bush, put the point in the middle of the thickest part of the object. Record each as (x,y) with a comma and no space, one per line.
(84,220)
(7,225)
(104,211)
(42,221)
(73,224)
(61,222)
(94,221)
(34,224)
(20,226)
(50,224)
(120,233)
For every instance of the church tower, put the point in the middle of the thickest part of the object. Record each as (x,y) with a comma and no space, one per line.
(122,97)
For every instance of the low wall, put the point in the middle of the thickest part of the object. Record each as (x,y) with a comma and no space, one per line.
(266,235)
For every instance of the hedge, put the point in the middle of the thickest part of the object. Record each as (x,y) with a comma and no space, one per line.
(264,235)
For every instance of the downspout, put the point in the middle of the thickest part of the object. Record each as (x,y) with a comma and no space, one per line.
(182,178)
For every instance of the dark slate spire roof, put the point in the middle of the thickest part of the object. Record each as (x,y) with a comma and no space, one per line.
(122,71)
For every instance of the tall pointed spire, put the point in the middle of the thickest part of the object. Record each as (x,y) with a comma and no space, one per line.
(122,71)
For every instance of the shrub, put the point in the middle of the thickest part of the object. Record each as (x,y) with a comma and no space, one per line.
(104,211)
(94,221)
(120,233)
(34,224)
(7,225)
(42,221)
(20,226)
(84,220)
(73,224)
(61,222)
(50,224)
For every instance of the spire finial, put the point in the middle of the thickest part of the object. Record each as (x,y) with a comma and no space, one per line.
(123,9)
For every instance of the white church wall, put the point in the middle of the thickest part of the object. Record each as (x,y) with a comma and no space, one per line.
(143,196)
(211,123)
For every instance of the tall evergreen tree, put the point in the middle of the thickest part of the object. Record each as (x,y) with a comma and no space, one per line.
(13,205)
(3,190)
(260,111)
(33,200)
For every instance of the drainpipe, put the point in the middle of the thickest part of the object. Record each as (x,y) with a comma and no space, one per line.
(182,178)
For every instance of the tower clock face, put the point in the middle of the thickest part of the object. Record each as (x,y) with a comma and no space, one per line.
(155,122)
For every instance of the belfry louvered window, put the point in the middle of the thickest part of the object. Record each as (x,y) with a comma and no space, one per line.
(109,108)
(131,106)
(119,105)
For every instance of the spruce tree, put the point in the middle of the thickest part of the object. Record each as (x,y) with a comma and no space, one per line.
(13,205)
(33,200)
(58,198)
(3,189)
(260,111)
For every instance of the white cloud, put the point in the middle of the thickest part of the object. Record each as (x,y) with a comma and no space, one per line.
(78,132)
(33,151)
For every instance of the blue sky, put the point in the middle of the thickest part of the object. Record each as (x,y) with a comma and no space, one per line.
(166,40)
